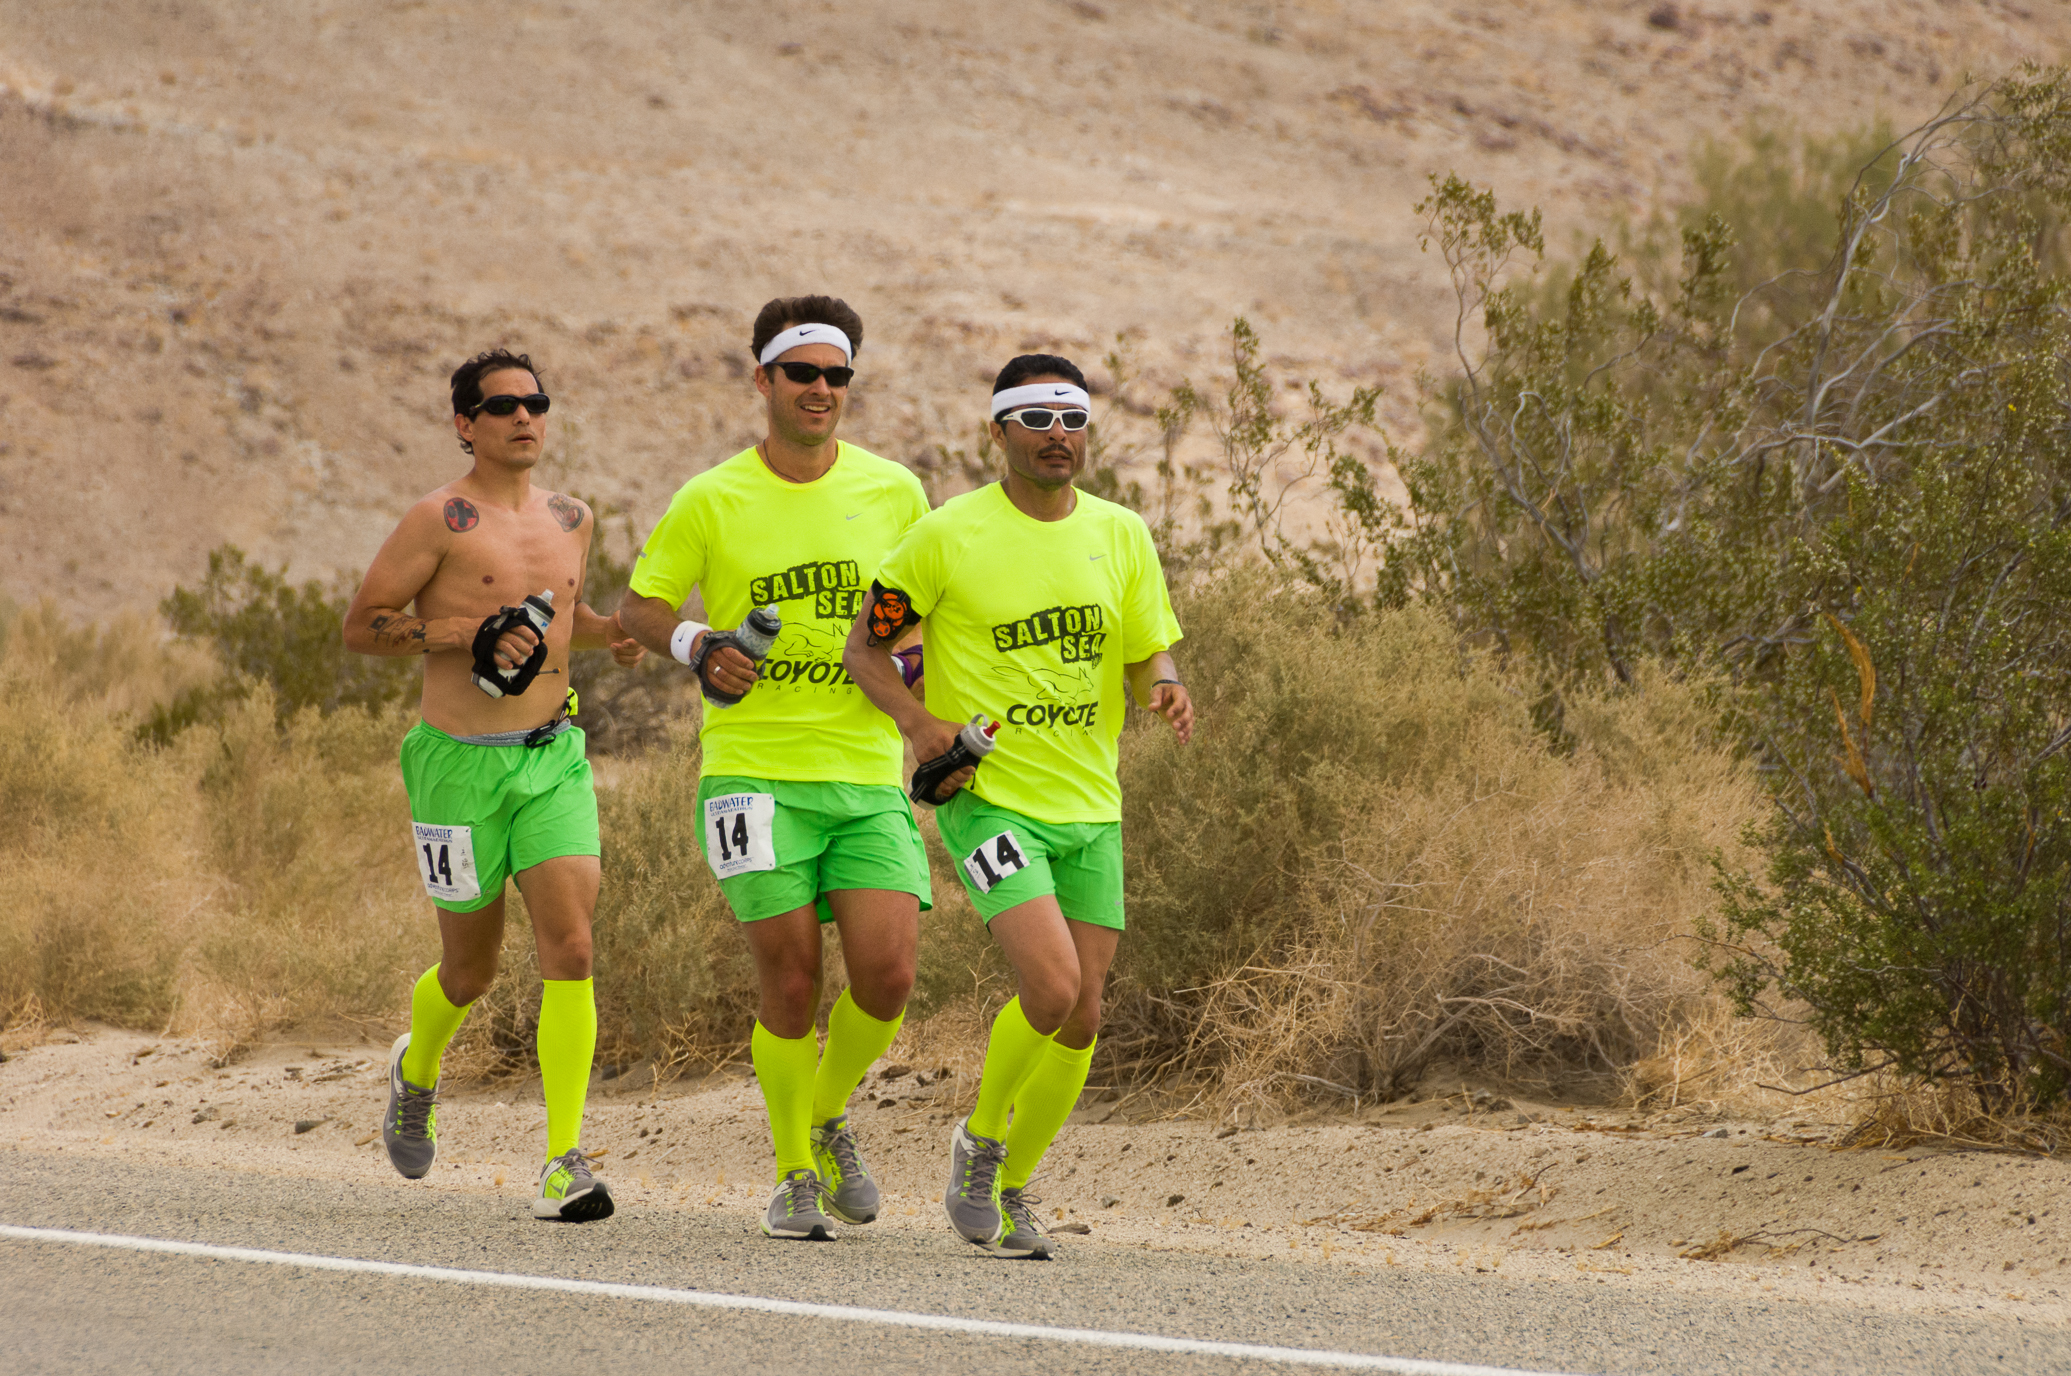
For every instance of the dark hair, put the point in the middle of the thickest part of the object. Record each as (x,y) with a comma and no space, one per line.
(467,379)
(786,311)
(1021,369)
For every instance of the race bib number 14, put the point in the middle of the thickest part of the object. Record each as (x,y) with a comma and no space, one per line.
(446,862)
(994,861)
(739,833)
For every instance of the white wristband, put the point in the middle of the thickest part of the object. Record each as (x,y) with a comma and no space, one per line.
(680,642)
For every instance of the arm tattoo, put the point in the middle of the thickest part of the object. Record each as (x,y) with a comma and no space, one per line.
(461,515)
(401,632)
(566,510)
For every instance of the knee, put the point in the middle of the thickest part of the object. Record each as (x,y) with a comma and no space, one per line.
(883,992)
(1082,1025)
(464,982)
(793,988)
(570,958)
(462,992)
(1046,1001)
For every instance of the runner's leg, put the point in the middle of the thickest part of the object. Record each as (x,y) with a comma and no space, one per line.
(786,1052)
(1047,1096)
(880,937)
(561,895)
(469,945)
(1038,943)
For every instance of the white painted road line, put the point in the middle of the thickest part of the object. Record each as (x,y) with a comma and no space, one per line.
(1091,1337)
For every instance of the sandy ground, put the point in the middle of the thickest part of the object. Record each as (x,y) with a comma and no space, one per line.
(1527,1190)
(242,243)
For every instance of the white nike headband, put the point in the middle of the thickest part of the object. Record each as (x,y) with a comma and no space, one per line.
(1038,393)
(807,334)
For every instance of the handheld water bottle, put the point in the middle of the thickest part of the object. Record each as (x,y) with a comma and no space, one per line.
(753,638)
(536,611)
(970,748)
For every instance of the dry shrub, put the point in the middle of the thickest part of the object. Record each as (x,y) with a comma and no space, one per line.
(96,859)
(1370,859)
(240,878)
(124,667)
(1708,1062)
(317,910)
(1895,1114)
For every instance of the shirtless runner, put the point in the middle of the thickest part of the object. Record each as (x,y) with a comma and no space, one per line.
(499,786)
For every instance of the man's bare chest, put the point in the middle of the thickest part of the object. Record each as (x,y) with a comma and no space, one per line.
(500,558)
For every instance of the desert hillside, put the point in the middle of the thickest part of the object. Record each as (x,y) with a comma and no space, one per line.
(242,243)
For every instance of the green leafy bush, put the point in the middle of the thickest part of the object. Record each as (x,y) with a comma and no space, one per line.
(1846,486)
(268,630)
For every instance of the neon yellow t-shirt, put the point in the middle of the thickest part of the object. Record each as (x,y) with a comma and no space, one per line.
(749,538)
(1031,622)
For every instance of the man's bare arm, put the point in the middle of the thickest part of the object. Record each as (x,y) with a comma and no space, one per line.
(648,620)
(869,662)
(595,632)
(1155,682)
(377,622)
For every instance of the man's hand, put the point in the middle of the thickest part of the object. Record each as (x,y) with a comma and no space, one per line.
(954,782)
(625,650)
(726,668)
(515,646)
(1172,702)
(932,737)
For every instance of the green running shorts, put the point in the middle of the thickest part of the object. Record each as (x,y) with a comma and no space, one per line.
(1006,858)
(482,813)
(781,844)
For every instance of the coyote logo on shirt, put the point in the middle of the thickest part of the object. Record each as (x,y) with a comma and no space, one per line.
(808,653)
(1050,697)
(1066,696)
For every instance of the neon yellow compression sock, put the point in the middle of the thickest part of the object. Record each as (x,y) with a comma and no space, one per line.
(784,1066)
(854,1040)
(567,1042)
(1011,1056)
(1046,1099)
(433,1020)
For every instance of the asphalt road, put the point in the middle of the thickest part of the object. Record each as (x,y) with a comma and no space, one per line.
(73,1308)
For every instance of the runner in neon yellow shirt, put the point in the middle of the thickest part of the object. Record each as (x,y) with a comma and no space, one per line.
(1042,605)
(800,806)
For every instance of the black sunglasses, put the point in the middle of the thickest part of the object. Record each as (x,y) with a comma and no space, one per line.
(1041,418)
(536,404)
(804,373)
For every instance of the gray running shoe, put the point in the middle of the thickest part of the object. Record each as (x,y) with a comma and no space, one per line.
(852,1195)
(1026,1236)
(973,1198)
(569,1193)
(794,1210)
(410,1128)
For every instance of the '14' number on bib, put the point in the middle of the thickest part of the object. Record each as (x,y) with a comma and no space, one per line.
(994,861)
(446,862)
(739,830)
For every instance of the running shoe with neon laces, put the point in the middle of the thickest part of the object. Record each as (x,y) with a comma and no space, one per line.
(1026,1236)
(410,1128)
(569,1193)
(973,1198)
(852,1195)
(794,1210)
